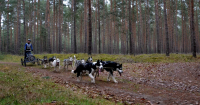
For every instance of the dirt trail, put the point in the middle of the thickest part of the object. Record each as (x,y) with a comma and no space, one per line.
(165,84)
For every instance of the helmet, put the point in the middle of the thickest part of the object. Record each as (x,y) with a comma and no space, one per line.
(29,40)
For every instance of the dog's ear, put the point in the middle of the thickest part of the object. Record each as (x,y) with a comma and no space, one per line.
(91,56)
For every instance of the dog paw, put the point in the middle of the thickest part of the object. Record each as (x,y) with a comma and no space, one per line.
(115,81)
(78,80)
(72,71)
(92,81)
(108,79)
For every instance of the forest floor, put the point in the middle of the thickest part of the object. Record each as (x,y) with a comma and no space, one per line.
(141,83)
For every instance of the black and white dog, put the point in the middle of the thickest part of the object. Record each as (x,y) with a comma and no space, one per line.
(110,67)
(51,60)
(45,61)
(89,68)
(89,60)
(67,62)
(54,62)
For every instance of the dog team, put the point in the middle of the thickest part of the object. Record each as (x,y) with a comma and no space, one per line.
(84,67)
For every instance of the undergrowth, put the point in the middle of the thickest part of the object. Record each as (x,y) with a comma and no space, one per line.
(143,58)
(19,87)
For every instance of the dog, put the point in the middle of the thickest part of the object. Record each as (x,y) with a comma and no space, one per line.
(56,63)
(88,67)
(45,61)
(77,62)
(110,67)
(99,68)
(51,60)
(89,60)
(67,62)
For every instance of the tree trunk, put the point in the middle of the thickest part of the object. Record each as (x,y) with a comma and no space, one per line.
(90,28)
(141,29)
(192,30)
(34,26)
(24,34)
(130,29)
(95,30)
(8,28)
(103,21)
(197,31)
(166,30)
(99,31)
(176,28)
(19,25)
(147,27)
(59,27)
(74,27)
(37,29)
(0,30)
(85,25)
(134,29)
(81,33)
(48,26)
(110,32)
(157,26)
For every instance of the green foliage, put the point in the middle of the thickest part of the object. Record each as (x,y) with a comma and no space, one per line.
(19,88)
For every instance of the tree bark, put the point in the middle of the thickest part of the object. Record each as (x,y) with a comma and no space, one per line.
(192,30)
(99,31)
(130,29)
(8,28)
(103,20)
(59,27)
(90,28)
(157,26)
(81,33)
(166,30)
(19,25)
(0,29)
(48,26)
(74,27)
(85,25)
(34,26)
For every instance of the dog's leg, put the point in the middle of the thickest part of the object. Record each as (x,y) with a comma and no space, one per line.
(59,66)
(45,66)
(67,67)
(64,65)
(92,77)
(108,79)
(93,80)
(72,66)
(54,68)
(113,77)
(78,76)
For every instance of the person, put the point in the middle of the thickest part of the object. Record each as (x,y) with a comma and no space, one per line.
(28,48)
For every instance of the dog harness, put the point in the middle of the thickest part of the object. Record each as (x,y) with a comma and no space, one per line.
(28,47)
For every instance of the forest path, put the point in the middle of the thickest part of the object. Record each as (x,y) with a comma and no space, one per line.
(147,83)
